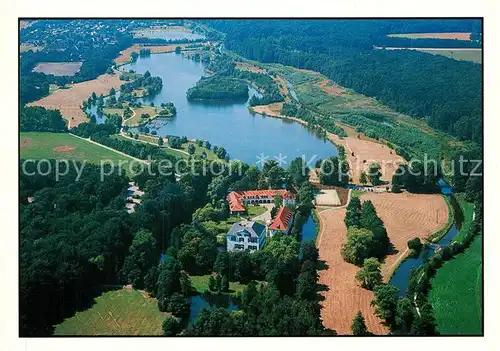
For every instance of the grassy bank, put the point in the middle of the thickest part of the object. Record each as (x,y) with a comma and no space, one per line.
(456,293)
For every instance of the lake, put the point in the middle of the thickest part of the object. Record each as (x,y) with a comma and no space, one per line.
(245,136)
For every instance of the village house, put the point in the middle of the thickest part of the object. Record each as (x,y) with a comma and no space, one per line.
(238,199)
(282,222)
(246,235)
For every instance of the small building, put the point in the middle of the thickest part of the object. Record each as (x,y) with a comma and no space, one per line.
(282,222)
(246,235)
(238,199)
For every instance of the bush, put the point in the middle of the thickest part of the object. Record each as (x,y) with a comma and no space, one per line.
(171,326)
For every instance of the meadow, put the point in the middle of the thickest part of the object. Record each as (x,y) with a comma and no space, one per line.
(456,293)
(118,312)
(58,68)
(36,145)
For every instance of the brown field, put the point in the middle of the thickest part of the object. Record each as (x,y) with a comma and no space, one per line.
(273,110)
(344,297)
(458,36)
(64,148)
(58,68)
(369,151)
(407,216)
(330,88)
(245,66)
(157,49)
(69,101)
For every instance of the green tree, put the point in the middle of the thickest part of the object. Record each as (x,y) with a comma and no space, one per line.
(171,326)
(358,246)
(353,213)
(358,325)
(369,276)
(374,173)
(218,282)
(415,245)
(385,302)
(168,283)
(212,285)
(363,179)
(140,258)
(185,283)
(178,305)
(160,141)
(221,265)
(177,49)
(309,251)
(191,149)
(405,314)
(224,284)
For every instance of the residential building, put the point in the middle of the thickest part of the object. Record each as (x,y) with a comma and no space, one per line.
(282,222)
(238,199)
(246,235)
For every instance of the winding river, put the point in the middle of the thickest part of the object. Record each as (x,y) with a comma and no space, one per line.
(246,136)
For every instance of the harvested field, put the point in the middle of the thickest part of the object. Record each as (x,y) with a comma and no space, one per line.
(327,197)
(69,101)
(157,49)
(245,66)
(457,35)
(461,54)
(365,153)
(330,88)
(407,216)
(65,148)
(58,68)
(344,297)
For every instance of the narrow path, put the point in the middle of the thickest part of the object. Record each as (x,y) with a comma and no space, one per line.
(111,149)
(123,134)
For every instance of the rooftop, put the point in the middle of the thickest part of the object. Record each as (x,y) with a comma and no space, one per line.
(235,197)
(247,228)
(282,219)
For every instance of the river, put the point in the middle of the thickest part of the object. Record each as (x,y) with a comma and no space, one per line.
(246,136)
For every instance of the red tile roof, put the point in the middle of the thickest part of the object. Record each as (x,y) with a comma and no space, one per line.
(282,219)
(236,205)
(235,202)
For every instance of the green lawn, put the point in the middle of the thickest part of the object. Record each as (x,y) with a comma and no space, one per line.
(467,210)
(136,119)
(119,312)
(113,111)
(167,151)
(255,210)
(200,284)
(36,145)
(456,294)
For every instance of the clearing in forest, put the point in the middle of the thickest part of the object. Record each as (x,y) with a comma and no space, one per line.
(58,68)
(405,216)
(69,101)
(456,35)
(118,312)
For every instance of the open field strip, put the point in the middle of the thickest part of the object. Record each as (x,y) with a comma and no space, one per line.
(461,54)
(118,312)
(69,101)
(58,68)
(456,294)
(447,35)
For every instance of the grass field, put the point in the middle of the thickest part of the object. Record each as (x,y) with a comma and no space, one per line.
(468,211)
(136,119)
(254,211)
(113,111)
(456,293)
(37,146)
(200,284)
(119,312)
(461,55)
(454,35)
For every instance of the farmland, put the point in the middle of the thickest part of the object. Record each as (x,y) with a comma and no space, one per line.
(405,217)
(58,68)
(461,54)
(457,36)
(456,293)
(125,55)
(64,146)
(119,312)
(69,101)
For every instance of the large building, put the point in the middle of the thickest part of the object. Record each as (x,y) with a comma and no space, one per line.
(238,199)
(246,235)
(282,222)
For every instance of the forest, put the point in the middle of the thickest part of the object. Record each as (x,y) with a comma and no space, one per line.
(218,88)
(444,92)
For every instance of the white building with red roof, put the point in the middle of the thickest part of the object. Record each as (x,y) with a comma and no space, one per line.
(238,199)
(282,222)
